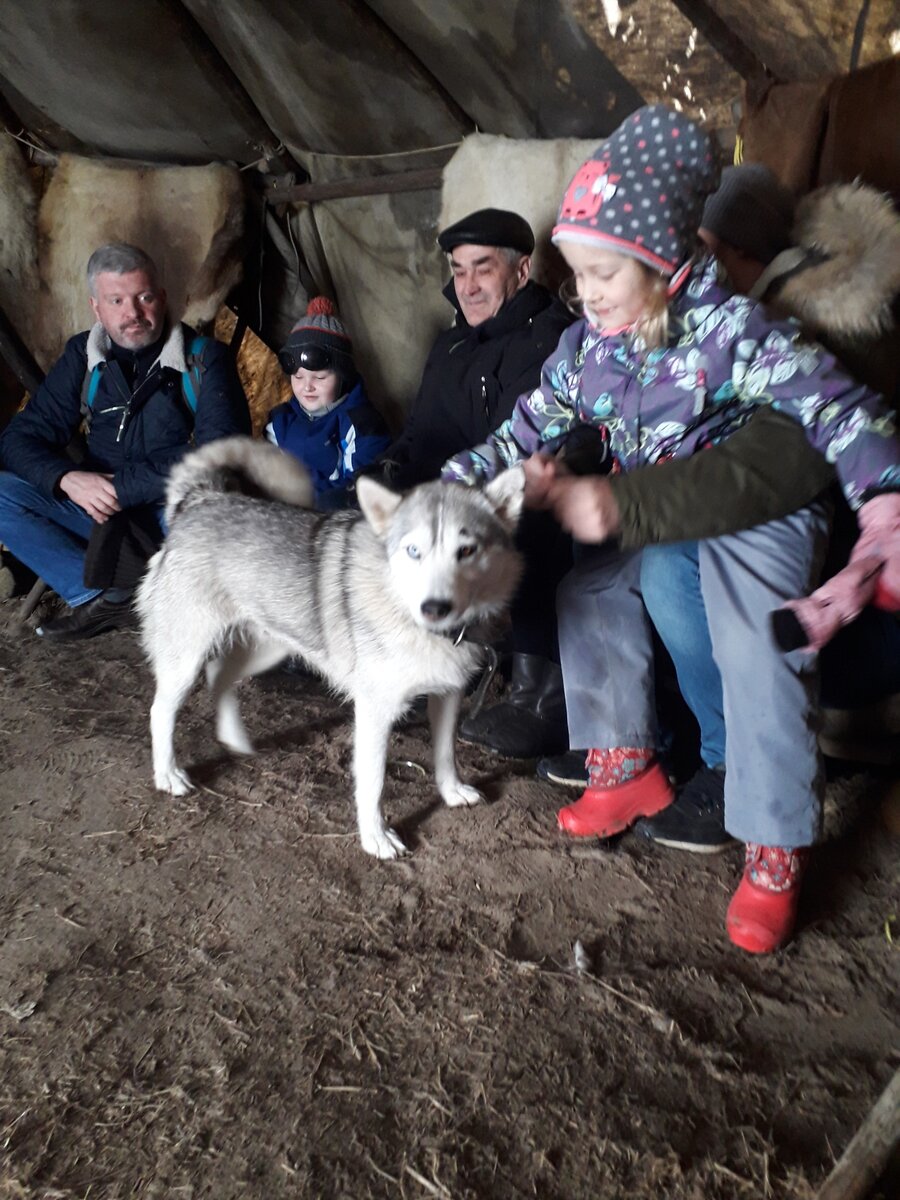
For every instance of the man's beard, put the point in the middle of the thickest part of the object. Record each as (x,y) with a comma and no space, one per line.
(137,336)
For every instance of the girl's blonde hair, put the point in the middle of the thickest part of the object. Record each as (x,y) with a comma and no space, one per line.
(653,324)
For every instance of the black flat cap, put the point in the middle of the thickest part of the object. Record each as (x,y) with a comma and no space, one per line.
(489,227)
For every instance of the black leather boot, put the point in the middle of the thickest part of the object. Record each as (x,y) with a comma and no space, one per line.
(531,720)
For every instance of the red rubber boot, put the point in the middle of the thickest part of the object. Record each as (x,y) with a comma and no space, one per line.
(763,910)
(604,811)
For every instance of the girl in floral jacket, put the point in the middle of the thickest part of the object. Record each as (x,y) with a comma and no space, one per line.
(670,363)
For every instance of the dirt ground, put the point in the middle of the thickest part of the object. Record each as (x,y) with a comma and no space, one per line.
(222,996)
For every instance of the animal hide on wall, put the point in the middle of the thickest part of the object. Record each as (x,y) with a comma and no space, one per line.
(188,219)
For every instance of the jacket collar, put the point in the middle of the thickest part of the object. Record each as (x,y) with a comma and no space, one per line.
(99,347)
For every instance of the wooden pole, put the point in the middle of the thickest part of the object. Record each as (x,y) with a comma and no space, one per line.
(364,185)
(864,1160)
(17,356)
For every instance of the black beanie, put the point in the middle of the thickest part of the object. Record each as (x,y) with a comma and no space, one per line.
(752,211)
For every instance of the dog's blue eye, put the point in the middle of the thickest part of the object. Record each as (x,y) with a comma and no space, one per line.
(413,551)
(465,552)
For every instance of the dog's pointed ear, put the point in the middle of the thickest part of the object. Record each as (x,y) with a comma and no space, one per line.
(507,494)
(377,502)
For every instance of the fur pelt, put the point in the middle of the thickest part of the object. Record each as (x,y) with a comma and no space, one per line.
(846,295)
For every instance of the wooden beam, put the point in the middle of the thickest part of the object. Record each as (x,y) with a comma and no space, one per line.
(17,356)
(723,40)
(861,1165)
(362,185)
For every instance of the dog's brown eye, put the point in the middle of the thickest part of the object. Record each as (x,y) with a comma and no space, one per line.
(465,552)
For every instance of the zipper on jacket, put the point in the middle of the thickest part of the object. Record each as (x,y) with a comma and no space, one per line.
(487,414)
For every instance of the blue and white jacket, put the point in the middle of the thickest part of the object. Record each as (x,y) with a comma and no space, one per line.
(334,445)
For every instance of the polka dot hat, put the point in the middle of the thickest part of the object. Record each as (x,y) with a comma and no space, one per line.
(642,192)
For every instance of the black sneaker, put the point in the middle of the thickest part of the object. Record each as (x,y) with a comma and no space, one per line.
(695,820)
(567,769)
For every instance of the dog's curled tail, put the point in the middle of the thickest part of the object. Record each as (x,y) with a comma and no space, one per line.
(238,464)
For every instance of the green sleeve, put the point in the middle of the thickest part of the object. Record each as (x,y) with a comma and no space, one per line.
(764,471)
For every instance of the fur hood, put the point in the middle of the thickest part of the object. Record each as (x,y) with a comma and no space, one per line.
(842,273)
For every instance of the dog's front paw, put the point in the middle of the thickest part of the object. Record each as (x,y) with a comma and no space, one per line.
(174,780)
(383,844)
(460,795)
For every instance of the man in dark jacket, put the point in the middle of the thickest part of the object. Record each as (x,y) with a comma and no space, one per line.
(506,326)
(135,378)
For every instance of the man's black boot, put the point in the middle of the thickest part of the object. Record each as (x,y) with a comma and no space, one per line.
(531,720)
(99,615)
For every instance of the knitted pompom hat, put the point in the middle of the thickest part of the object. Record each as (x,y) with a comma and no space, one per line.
(642,191)
(319,342)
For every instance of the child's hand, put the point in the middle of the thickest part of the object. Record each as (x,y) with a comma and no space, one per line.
(585,506)
(540,473)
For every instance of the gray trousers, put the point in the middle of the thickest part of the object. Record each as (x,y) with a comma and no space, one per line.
(774,781)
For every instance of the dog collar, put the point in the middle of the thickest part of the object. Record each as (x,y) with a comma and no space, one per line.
(456,636)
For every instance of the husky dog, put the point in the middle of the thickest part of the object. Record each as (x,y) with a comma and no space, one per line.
(379,602)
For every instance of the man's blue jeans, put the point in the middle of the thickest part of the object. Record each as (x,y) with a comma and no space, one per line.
(49,536)
(670,582)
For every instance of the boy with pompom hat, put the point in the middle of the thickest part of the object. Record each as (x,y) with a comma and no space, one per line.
(329,423)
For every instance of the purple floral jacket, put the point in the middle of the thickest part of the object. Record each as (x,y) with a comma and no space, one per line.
(725,357)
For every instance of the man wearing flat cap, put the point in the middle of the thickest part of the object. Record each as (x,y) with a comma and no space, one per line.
(505,327)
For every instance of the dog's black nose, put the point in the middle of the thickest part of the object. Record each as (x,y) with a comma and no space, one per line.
(436,608)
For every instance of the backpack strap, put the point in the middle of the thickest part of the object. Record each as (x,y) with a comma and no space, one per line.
(192,377)
(89,386)
(191,380)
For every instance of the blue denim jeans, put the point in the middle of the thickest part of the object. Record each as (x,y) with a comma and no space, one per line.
(670,583)
(49,536)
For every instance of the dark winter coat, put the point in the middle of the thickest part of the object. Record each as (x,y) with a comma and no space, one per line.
(137,431)
(335,445)
(473,377)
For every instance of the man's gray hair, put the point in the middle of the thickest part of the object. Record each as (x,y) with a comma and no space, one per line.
(119,258)
(511,255)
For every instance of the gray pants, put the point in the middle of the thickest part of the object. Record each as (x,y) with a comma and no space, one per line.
(773,782)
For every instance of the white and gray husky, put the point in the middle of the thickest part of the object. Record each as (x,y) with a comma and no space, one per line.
(378,602)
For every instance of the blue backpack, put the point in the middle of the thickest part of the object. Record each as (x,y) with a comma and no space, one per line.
(190,379)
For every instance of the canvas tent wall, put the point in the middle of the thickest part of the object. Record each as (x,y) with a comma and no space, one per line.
(348,92)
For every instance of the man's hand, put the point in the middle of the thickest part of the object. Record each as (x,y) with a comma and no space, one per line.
(93,492)
(541,471)
(585,506)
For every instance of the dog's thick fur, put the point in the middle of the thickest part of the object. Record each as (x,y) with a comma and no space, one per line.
(373,600)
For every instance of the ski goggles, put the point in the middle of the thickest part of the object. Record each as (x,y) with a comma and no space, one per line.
(307,358)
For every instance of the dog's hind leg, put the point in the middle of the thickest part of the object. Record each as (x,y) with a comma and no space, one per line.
(442,713)
(224,674)
(370,742)
(174,676)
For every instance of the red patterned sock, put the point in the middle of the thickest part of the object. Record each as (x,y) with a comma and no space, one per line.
(609,768)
